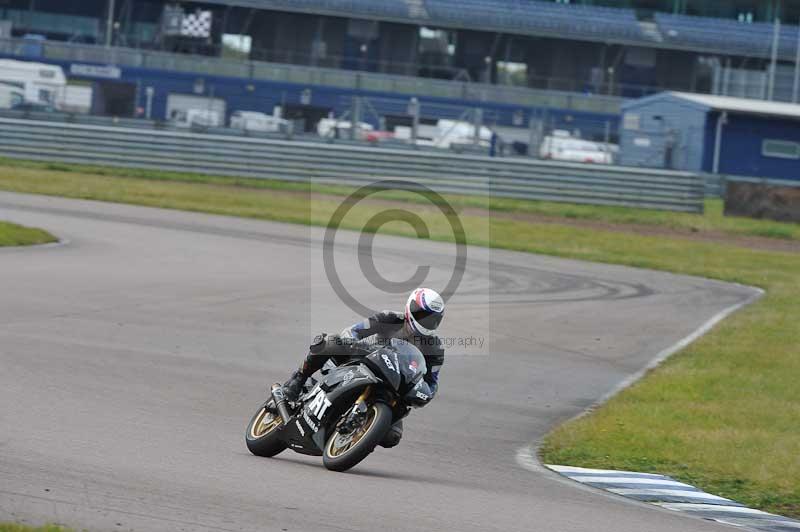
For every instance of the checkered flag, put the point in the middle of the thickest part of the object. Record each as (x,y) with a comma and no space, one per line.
(196,24)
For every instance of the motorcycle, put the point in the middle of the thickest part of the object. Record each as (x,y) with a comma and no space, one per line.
(348,411)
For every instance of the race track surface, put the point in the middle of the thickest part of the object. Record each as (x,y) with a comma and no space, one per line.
(132,357)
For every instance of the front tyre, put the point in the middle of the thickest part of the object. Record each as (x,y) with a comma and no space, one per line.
(343,451)
(262,434)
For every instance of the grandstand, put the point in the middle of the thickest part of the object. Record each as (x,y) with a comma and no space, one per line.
(576,60)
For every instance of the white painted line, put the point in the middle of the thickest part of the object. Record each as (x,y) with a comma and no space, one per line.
(691,507)
(757,522)
(669,493)
(629,480)
(570,469)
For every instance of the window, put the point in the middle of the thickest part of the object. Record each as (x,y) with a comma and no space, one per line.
(782,149)
(236,46)
(631,121)
(511,73)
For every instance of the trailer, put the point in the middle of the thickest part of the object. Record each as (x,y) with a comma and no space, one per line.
(39,83)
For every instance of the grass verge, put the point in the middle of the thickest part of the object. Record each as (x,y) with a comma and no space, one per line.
(722,414)
(13,527)
(17,235)
(14,175)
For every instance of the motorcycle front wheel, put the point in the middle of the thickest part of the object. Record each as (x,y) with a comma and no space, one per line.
(343,451)
(262,436)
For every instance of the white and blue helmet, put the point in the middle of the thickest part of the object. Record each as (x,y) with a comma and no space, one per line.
(424,311)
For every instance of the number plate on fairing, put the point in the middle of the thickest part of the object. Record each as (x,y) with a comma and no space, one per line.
(315,409)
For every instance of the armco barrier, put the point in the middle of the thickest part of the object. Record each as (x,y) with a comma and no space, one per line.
(715,185)
(352,165)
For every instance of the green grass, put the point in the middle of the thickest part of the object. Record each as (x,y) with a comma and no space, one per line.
(13,527)
(17,235)
(723,414)
(12,171)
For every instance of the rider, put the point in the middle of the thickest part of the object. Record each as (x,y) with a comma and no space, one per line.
(417,324)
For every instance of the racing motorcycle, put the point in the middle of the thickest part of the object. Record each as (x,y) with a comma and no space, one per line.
(347,412)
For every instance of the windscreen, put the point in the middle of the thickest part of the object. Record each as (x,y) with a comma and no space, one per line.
(411,361)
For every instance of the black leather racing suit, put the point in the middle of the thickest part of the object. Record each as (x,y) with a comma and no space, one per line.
(382,326)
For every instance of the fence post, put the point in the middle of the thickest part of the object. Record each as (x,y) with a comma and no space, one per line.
(355,119)
(413,110)
(478,124)
(535,131)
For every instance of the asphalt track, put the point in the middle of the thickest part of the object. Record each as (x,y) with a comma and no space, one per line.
(132,357)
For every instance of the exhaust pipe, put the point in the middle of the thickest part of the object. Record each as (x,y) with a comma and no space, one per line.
(280,402)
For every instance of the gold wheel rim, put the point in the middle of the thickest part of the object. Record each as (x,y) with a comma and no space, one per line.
(264,423)
(335,451)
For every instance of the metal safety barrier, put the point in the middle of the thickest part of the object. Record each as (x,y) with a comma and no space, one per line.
(314,162)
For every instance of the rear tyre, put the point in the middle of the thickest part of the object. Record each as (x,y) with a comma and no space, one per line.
(343,451)
(263,433)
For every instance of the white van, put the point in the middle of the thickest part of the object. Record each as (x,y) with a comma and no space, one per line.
(447,134)
(40,83)
(190,110)
(561,146)
(455,133)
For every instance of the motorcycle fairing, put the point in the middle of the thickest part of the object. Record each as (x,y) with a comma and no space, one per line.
(341,381)
(306,433)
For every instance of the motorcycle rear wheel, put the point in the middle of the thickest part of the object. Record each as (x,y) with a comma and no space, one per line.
(261,435)
(343,451)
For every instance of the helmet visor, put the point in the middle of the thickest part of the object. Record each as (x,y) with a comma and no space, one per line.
(426,318)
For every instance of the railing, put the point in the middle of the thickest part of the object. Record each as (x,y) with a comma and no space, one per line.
(352,165)
(309,75)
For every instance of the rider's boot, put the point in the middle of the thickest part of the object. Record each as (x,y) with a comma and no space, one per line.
(294,386)
(313,362)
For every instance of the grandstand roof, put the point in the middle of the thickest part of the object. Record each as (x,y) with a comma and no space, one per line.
(727,103)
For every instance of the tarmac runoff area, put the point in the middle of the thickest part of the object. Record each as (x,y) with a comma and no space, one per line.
(133,356)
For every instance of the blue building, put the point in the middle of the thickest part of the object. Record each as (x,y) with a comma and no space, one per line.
(716,134)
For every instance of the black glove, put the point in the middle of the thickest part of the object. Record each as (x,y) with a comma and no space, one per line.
(318,344)
(423,394)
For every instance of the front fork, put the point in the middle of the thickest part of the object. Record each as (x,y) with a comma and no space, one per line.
(364,396)
(358,410)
